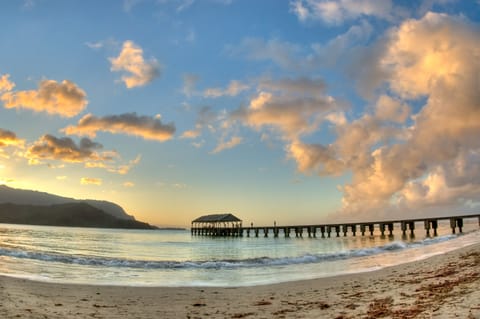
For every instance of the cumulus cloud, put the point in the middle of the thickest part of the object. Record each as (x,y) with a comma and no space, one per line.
(64,149)
(291,107)
(233,89)
(404,160)
(137,71)
(9,138)
(335,12)
(146,127)
(65,98)
(91,181)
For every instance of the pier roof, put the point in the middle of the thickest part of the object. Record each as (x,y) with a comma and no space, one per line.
(215,218)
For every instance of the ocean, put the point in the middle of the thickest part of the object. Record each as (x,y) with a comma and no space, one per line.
(176,258)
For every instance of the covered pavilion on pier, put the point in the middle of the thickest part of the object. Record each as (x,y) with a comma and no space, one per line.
(217,225)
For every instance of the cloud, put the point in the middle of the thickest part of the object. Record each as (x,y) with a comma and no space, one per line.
(137,71)
(64,149)
(125,168)
(391,109)
(224,145)
(189,83)
(337,50)
(336,12)
(233,89)
(128,184)
(404,162)
(206,116)
(146,127)
(9,138)
(91,181)
(65,98)
(5,83)
(281,52)
(291,107)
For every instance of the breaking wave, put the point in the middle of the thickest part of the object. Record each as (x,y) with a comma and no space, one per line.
(215,264)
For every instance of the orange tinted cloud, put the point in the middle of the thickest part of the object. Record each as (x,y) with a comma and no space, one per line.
(149,128)
(9,138)
(404,160)
(137,71)
(5,83)
(64,149)
(91,181)
(64,99)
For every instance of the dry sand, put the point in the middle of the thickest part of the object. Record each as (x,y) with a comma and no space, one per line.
(445,286)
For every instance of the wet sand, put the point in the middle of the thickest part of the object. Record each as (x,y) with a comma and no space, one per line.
(444,286)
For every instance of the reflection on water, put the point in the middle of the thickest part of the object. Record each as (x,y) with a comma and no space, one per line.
(175,258)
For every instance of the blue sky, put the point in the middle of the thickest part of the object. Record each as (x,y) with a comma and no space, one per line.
(294,111)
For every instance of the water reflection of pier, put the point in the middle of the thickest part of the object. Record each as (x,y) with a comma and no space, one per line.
(228,225)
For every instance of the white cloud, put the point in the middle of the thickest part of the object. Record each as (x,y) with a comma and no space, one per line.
(189,83)
(137,71)
(335,12)
(233,89)
(281,52)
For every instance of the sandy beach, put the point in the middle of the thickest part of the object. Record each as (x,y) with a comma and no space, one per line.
(444,286)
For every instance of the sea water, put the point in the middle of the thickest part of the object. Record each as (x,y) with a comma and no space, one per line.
(176,258)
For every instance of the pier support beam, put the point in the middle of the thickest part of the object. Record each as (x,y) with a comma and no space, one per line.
(370,229)
(344,229)
(382,229)
(390,229)
(460,224)
(427,226)
(434,226)
(411,226)
(322,230)
(453,224)
(362,229)
(354,230)
(337,230)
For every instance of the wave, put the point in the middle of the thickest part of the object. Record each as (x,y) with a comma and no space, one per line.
(216,264)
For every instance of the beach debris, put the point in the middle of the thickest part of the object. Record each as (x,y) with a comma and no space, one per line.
(199,304)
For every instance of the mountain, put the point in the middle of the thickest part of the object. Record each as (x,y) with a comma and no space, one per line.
(77,214)
(28,197)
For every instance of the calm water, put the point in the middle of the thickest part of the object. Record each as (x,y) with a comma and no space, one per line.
(175,258)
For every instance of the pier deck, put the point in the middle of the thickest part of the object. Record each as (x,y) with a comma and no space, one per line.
(429,224)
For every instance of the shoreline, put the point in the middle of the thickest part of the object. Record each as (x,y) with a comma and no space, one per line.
(441,286)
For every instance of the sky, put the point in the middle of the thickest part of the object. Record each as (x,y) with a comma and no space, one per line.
(296,111)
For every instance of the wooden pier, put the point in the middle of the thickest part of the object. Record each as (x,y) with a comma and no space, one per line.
(232,227)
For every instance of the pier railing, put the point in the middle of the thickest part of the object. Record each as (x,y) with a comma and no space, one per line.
(430,225)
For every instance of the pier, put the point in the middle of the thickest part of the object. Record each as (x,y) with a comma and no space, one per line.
(228,225)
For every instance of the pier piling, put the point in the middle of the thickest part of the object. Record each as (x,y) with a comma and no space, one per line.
(362,229)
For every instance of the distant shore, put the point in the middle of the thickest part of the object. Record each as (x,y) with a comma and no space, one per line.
(443,286)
